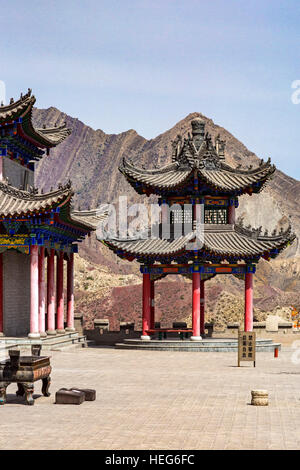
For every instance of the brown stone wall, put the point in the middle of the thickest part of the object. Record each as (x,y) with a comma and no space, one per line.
(16,293)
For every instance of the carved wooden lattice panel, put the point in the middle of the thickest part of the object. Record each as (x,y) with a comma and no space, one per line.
(215,216)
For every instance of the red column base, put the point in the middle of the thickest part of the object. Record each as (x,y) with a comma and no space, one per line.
(146,307)
(196,308)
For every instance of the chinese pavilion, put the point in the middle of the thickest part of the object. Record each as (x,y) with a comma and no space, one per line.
(199,175)
(35,227)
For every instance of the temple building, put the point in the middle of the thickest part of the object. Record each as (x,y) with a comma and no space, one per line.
(198,176)
(39,232)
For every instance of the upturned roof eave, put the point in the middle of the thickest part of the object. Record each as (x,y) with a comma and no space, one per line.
(173,176)
(16,203)
(43,138)
(260,245)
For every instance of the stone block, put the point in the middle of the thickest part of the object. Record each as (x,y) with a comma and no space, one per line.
(126,325)
(101,324)
(179,325)
(69,397)
(259,398)
(89,393)
(78,323)
(272,323)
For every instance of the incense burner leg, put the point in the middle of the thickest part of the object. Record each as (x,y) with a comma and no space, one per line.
(29,389)
(45,387)
(3,387)
(20,392)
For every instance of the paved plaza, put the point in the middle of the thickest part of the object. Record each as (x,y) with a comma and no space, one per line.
(159,400)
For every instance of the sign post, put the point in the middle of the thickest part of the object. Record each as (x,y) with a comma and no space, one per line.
(246,347)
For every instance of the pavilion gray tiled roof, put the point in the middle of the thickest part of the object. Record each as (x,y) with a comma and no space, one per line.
(167,177)
(53,135)
(224,178)
(197,156)
(16,109)
(46,137)
(16,202)
(151,246)
(224,240)
(90,218)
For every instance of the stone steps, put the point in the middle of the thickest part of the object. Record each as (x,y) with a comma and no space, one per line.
(63,342)
(50,343)
(207,345)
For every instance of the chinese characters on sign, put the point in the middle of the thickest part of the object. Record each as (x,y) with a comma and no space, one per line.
(246,347)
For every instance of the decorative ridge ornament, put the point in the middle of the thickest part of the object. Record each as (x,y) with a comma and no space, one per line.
(19,113)
(197,152)
(285,235)
(33,194)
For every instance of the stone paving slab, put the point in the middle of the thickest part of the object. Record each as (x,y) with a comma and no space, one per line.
(162,400)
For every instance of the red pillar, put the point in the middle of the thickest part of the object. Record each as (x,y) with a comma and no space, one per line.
(34,292)
(60,293)
(202,307)
(50,294)
(196,307)
(152,321)
(248,302)
(1,296)
(70,293)
(42,292)
(146,306)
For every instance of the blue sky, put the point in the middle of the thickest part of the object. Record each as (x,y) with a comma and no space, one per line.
(146,64)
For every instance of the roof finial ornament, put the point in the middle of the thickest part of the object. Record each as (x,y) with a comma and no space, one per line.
(240,221)
(198,131)
(208,140)
(11,101)
(33,190)
(68,184)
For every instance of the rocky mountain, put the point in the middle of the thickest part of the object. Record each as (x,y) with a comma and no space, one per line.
(90,158)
